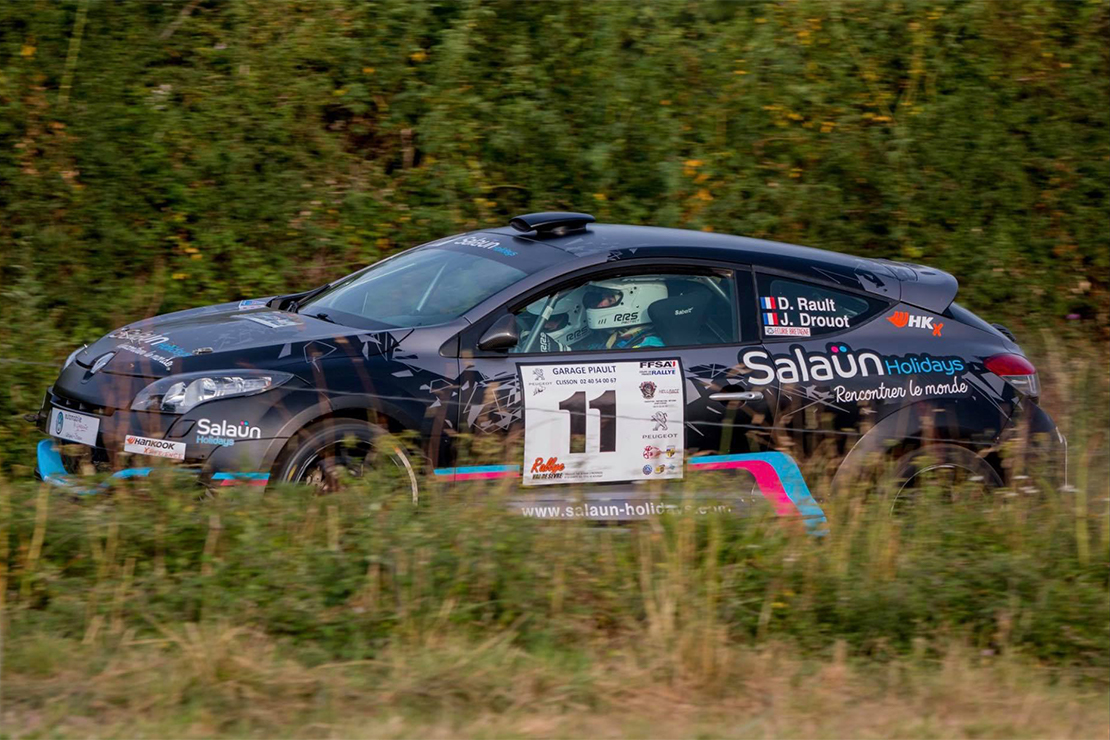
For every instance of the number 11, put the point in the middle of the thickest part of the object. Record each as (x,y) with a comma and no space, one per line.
(606,405)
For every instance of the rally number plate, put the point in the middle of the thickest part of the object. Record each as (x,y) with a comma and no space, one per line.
(596,422)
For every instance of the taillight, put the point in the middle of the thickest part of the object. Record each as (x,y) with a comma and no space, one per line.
(1017,371)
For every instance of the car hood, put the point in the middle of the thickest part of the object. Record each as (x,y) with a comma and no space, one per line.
(230,335)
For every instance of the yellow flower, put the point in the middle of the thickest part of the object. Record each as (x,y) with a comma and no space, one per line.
(180,275)
(418,56)
(27,50)
(600,196)
(368,70)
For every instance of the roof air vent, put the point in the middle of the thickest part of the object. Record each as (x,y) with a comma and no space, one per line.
(552,223)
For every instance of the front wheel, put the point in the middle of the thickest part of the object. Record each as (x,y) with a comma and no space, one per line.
(325,454)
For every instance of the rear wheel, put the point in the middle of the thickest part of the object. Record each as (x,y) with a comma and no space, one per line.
(330,452)
(955,471)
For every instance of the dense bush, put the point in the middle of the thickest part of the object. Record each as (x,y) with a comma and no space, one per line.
(155,156)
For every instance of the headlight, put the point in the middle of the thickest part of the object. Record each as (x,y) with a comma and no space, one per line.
(73,356)
(179,393)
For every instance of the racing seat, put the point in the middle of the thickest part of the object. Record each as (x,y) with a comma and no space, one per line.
(680,320)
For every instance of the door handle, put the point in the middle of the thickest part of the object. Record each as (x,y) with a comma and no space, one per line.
(736,396)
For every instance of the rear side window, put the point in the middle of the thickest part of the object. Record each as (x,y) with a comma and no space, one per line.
(794,308)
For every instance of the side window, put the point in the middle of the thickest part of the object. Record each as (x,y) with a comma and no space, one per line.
(632,312)
(792,308)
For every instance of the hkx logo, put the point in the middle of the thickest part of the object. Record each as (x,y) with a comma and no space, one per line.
(902,319)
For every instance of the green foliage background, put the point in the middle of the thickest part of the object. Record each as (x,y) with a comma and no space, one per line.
(155,156)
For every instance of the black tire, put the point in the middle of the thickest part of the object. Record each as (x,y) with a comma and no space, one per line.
(956,468)
(327,452)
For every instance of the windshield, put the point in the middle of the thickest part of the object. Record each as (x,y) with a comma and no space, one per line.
(417,288)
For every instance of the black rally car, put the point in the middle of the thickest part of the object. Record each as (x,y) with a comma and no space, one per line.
(613,354)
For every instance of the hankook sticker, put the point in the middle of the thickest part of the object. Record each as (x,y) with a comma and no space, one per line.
(154,447)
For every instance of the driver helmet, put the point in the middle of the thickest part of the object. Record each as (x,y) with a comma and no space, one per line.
(614,304)
(567,322)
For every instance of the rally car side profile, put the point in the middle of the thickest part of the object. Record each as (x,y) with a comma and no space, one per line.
(615,355)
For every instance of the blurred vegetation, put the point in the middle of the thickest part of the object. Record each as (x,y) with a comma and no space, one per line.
(155,156)
(256,613)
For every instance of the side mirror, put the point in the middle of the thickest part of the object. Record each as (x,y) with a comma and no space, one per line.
(503,334)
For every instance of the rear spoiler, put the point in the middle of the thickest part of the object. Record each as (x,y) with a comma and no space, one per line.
(924,287)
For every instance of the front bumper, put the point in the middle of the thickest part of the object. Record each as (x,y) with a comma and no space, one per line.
(50,468)
(60,462)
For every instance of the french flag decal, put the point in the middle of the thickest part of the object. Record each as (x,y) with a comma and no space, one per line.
(767,302)
(771,319)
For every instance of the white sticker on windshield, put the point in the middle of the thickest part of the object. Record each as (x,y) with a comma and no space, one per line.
(272,319)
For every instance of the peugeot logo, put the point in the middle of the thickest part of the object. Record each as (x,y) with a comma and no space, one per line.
(101,362)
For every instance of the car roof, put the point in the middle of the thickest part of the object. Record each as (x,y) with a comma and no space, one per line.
(590,242)
(600,238)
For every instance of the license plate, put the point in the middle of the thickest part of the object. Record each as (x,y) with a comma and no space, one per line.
(73,426)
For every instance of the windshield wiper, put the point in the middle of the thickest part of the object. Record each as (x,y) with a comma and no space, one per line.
(324,317)
(295,304)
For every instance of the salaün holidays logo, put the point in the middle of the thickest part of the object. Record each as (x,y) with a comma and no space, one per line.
(840,362)
(224,433)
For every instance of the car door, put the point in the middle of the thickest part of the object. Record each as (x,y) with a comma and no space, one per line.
(608,393)
(820,343)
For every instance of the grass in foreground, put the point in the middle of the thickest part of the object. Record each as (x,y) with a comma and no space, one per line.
(220,680)
(149,612)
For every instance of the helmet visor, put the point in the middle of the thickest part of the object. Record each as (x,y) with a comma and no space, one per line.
(596,297)
(556,322)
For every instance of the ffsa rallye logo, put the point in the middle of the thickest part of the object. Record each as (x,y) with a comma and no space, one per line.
(839,362)
(658,367)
